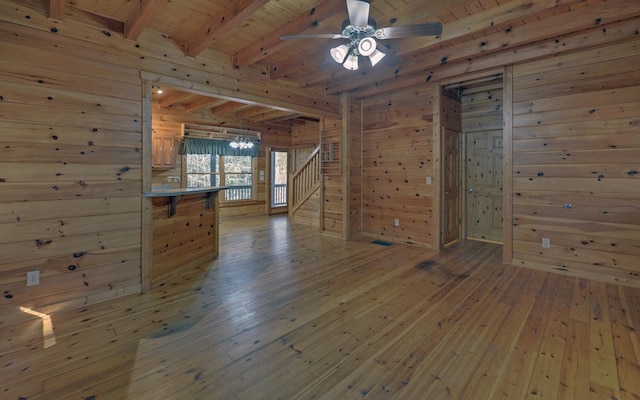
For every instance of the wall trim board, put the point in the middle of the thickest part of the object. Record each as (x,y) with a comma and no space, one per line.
(507,137)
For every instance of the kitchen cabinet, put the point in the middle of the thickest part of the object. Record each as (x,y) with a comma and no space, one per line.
(163,152)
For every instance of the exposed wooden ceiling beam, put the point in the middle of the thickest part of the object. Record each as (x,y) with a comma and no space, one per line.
(287,124)
(313,22)
(252,112)
(229,107)
(174,97)
(140,17)
(56,9)
(275,116)
(220,24)
(204,102)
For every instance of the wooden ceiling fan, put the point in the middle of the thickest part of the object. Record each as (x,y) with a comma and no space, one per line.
(361,31)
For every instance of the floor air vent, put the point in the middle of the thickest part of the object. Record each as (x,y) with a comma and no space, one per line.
(382,243)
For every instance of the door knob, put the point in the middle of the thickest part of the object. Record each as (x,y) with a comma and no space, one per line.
(470,190)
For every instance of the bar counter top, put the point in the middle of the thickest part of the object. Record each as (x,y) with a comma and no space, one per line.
(182,191)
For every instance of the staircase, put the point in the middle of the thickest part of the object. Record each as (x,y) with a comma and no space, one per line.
(304,191)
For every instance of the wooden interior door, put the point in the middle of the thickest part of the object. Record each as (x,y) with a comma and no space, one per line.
(484,185)
(451,186)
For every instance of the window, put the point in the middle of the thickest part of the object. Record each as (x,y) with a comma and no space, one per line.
(235,172)
(237,176)
(202,170)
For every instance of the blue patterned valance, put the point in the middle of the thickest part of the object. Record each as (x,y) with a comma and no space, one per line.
(215,146)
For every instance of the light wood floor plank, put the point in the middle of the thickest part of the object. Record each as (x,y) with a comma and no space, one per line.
(626,343)
(287,313)
(604,373)
(494,366)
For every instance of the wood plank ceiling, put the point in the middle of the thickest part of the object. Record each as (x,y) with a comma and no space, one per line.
(247,33)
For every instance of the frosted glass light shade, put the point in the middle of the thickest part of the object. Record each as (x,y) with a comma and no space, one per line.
(339,53)
(376,57)
(351,63)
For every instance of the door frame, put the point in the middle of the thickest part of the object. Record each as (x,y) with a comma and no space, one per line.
(438,152)
(268,180)
(457,210)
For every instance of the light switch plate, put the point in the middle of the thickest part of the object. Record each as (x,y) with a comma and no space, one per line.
(33,278)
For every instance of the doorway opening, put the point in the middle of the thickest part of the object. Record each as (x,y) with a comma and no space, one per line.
(472,143)
(278,181)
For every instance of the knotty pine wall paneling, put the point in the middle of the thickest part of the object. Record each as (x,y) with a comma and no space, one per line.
(173,237)
(353,125)
(397,158)
(70,178)
(305,136)
(332,190)
(576,155)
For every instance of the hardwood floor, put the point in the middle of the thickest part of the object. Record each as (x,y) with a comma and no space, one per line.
(285,313)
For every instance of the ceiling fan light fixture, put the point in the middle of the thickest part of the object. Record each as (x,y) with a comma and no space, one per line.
(367,46)
(376,57)
(339,53)
(351,63)
(362,32)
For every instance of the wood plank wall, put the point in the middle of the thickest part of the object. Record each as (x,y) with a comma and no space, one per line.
(397,158)
(190,235)
(576,154)
(332,194)
(305,136)
(70,178)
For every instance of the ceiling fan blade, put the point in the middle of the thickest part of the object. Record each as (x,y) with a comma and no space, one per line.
(394,32)
(358,12)
(390,59)
(314,36)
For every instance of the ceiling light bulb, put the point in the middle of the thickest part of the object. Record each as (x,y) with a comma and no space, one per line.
(339,53)
(376,57)
(367,46)
(351,63)
(159,90)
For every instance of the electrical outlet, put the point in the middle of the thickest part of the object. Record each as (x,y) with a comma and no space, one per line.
(33,278)
(396,222)
(546,243)
(429,180)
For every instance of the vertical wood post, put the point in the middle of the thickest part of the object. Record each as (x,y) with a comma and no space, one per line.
(437,167)
(345,132)
(507,193)
(147,231)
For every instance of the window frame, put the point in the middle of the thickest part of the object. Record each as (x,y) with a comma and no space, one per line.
(222,177)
